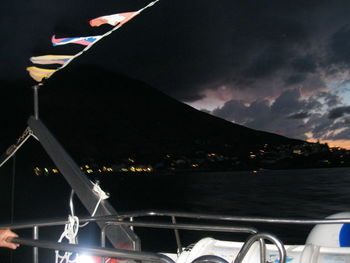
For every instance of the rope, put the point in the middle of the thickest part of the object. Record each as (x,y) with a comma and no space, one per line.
(72,227)
(102,196)
(13,188)
(70,233)
(13,195)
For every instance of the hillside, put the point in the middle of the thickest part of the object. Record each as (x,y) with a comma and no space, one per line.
(104,115)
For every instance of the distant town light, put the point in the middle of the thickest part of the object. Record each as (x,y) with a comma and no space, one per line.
(37,171)
(297,151)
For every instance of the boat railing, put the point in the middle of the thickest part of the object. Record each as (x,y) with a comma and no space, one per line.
(93,250)
(137,219)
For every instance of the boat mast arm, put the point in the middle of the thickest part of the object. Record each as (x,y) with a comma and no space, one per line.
(120,236)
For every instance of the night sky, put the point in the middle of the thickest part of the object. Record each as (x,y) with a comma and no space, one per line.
(278,66)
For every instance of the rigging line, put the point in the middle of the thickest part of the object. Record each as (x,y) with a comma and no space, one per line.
(14,148)
(13,196)
(13,188)
(93,43)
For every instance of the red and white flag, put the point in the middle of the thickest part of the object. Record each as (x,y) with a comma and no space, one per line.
(114,20)
(118,19)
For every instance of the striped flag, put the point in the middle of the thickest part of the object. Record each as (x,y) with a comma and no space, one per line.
(113,20)
(39,74)
(118,19)
(51,59)
(85,41)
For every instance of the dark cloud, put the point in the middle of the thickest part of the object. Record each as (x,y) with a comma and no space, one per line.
(289,114)
(264,64)
(287,103)
(340,46)
(331,100)
(299,115)
(305,64)
(285,115)
(295,79)
(343,135)
(339,112)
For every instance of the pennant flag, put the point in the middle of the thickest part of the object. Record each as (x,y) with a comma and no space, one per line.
(39,73)
(114,20)
(118,19)
(51,59)
(74,40)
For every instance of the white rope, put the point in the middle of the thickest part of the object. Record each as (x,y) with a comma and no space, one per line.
(70,233)
(102,196)
(72,227)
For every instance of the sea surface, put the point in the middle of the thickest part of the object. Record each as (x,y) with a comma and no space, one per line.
(311,193)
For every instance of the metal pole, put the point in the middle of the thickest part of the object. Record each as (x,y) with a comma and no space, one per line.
(177,236)
(35,249)
(13,196)
(97,251)
(36,101)
(262,250)
(103,240)
(251,240)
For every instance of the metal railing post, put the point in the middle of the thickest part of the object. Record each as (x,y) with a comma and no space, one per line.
(177,236)
(258,237)
(35,249)
(262,250)
(103,240)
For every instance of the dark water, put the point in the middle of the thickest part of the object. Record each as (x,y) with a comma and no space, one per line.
(313,193)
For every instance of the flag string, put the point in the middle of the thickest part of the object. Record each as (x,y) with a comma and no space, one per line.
(73,57)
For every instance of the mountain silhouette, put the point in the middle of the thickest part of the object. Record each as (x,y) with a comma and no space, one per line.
(101,114)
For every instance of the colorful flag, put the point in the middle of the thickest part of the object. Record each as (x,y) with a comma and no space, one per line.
(39,73)
(114,20)
(74,40)
(51,59)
